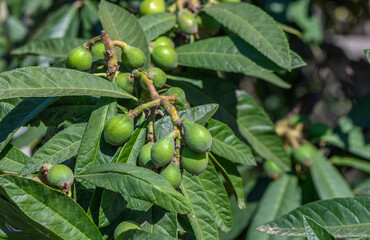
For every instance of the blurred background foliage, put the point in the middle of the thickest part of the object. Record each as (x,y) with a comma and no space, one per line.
(330,96)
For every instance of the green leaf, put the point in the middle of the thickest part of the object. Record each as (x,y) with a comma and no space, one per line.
(7,105)
(111,206)
(73,109)
(363,189)
(142,235)
(93,149)
(54,47)
(31,135)
(256,27)
(197,96)
(232,177)
(129,152)
(341,217)
(351,162)
(297,61)
(20,115)
(12,159)
(328,181)
(280,197)
(227,145)
(137,204)
(63,146)
(154,25)
(217,197)
(367,54)
(122,25)
(228,54)
(19,220)
(49,81)
(198,114)
(256,126)
(202,216)
(160,221)
(48,207)
(137,182)
(270,77)
(314,231)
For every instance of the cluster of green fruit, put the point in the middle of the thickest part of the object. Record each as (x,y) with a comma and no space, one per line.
(81,58)
(160,154)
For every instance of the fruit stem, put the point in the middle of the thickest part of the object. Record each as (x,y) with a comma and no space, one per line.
(101,74)
(88,45)
(150,136)
(171,111)
(119,44)
(149,83)
(110,55)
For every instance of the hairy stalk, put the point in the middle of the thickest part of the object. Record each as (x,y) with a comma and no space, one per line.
(150,135)
(110,54)
(88,45)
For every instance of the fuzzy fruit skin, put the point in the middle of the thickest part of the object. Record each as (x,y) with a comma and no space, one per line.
(118,129)
(125,226)
(304,154)
(132,57)
(157,76)
(80,59)
(126,82)
(272,170)
(172,173)
(163,150)
(197,137)
(60,174)
(163,41)
(187,23)
(193,162)
(164,57)
(180,99)
(98,50)
(209,24)
(152,6)
(144,158)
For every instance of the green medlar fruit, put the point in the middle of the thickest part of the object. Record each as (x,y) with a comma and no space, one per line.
(180,95)
(197,137)
(163,150)
(125,226)
(272,170)
(163,41)
(193,162)
(79,58)
(132,57)
(118,129)
(60,175)
(144,158)
(157,76)
(126,82)
(98,50)
(152,6)
(164,57)
(172,173)
(304,154)
(187,22)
